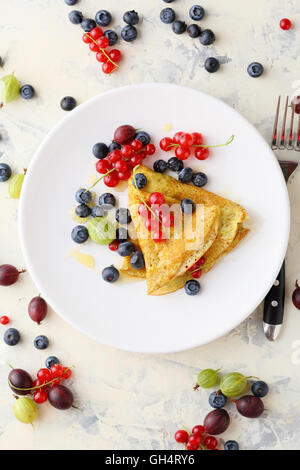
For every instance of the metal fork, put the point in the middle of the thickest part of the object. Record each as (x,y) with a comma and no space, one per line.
(288,139)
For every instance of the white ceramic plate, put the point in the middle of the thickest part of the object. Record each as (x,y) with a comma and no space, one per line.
(120,314)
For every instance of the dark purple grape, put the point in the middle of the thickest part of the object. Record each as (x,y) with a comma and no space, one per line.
(21,379)
(37,309)
(216,422)
(8,274)
(60,397)
(124,134)
(296,296)
(250,406)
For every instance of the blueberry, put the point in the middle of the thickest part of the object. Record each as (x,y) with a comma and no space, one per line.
(194,31)
(143,137)
(207,37)
(140,180)
(88,24)
(197,12)
(41,342)
(126,248)
(131,17)
(137,260)
(192,287)
(27,92)
(100,150)
(110,274)
(83,196)
(114,146)
(75,16)
(231,445)
(185,175)
(11,337)
(260,389)
(1,61)
(98,211)
(123,216)
(83,211)
(199,179)
(255,69)
(80,234)
(103,17)
(217,399)
(211,65)
(71,2)
(168,1)
(129,33)
(50,361)
(187,206)
(122,234)
(175,164)
(68,103)
(160,166)
(167,15)
(5,172)
(179,27)
(108,200)
(111,36)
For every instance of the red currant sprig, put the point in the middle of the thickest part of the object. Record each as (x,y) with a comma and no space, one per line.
(98,43)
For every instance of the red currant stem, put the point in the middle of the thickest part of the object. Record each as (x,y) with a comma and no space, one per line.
(196,387)
(9,365)
(99,179)
(103,52)
(296,284)
(76,407)
(202,447)
(205,146)
(22,271)
(42,385)
(252,377)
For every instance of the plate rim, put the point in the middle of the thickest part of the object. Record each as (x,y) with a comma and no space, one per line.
(21,220)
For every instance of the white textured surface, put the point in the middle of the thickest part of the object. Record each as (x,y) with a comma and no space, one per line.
(127,400)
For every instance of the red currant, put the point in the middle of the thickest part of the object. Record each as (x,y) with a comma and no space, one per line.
(183,153)
(115,155)
(158,236)
(181,436)
(210,442)
(157,198)
(40,396)
(186,140)
(115,55)
(4,320)
(142,153)
(56,370)
(93,47)
(197,138)
(202,153)
(193,442)
(111,180)
(285,24)
(44,375)
(121,166)
(103,166)
(124,175)
(197,274)
(198,264)
(96,33)
(177,136)
(113,246)
(135,160)
(168,220)
(101,57)
(143,211)
(37,383)
(136,145)
(199,430)
(108,67)
(67,373)
(150,149)
(166,144)
(127,151)
(86,39)
(152,224)
(103,42)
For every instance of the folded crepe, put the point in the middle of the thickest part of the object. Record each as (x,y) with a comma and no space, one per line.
(187,242)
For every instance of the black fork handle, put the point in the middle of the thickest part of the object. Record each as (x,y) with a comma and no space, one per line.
(274,301)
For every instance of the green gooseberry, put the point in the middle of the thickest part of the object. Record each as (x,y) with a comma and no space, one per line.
(233,384)
(101,230)
(25,410)
(207,378)
(9,88)
(15,186)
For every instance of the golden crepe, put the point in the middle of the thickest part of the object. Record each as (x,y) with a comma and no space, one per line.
(230,230)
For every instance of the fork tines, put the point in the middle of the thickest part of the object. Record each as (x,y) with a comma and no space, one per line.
(287,138)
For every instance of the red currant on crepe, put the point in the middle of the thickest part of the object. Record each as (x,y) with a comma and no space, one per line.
(186,140)
(114,156)
(113,246)
(124,175)
(108,67)
(40,396)
(199,430)
(101,57)
(157,198)
(158,236)
(86,39)
(197,138)
(152,224)
(168,220)
(4,320)
(96,33)
(285,24)
(210,442)
(103,42)
(127,151)
(150,149)
(143,211)
(115,55)
(181,436)
(103,166)
(166,144)
(136,145)
(93,47)
(183,153)
(44,375)
(202,153)
(197,274)
(198,264)
(193,442)
(111,180)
